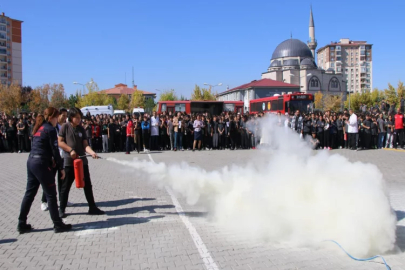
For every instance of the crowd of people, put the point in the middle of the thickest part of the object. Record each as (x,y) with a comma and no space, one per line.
(368,129)
(179,131)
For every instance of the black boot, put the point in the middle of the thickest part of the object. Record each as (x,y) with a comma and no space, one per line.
(62,227)
(96,211)
(23,228)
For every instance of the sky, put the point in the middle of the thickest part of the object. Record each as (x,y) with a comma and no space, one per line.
(178,44)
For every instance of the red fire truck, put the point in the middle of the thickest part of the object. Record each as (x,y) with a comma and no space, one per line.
(282,103)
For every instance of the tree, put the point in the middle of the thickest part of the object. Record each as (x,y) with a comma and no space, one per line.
(400,90)
(72,100)
(93,97)
(137,100)
(197,93)
(58,98)
(149,105)
(332,102)
(318,100)
(10,98)
(208,95)
(169,95)
(123,102)
(39,100)
(391,94)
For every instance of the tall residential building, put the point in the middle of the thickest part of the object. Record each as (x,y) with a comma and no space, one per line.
(10,50)
(353,59)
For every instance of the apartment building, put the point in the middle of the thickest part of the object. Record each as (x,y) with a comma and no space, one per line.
(352,59)
(10,50)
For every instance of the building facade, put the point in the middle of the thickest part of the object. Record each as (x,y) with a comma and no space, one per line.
(352,59)
(257,89)
(10,50)
(293,62)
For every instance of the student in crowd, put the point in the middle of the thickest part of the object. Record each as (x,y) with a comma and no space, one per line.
(145,133)
(198,126)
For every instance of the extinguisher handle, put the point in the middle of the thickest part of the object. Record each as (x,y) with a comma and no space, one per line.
(98,157)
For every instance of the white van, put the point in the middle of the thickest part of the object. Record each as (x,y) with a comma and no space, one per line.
(94,110)
(138,110)
(119,112)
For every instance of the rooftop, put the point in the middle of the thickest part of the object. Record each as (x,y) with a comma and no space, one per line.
(263,83)
(121,88)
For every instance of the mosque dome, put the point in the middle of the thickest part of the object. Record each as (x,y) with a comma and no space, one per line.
(292,48)
(308,63)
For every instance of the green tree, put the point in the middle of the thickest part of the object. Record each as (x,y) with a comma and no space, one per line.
(72,100)
(169,95)
(207,94)
(149,105)
(332,102)
(197,93)
(123,102)
(400,90)
(391,94)
(137,100)
(93,96)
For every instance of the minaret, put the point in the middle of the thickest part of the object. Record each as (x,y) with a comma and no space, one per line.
(312,41)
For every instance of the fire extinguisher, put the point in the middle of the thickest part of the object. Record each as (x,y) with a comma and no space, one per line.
(79,174)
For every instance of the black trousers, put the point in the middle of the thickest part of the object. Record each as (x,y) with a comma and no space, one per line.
(232,137)
(154,142)
(21,143)
(398,137)
(326,138)
(333,140)
(12,145)
(67,184)
(340,140)
(352,140)
(111,146)
(145,138)
(319,135)
(366,140)
(39,173)
(138,142)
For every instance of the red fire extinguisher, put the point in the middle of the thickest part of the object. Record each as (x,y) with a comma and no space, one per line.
(79,174)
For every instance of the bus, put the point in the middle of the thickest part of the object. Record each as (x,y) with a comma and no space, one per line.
(287,103)
(196,106)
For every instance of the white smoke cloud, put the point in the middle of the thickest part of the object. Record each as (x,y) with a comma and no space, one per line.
(289,194)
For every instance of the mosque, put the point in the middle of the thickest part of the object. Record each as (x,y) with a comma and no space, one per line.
(293,62)
(292,68)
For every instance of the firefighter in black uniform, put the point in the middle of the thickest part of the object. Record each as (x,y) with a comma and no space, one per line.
(39,166)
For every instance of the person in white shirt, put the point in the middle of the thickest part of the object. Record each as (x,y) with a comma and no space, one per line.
(198,125)
(154,131)
(353,129)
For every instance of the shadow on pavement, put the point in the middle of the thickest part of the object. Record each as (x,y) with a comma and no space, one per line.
(133,210)
(400,215)
(6,241)
(401,238)
(115,203)
(113,222)
(190,214)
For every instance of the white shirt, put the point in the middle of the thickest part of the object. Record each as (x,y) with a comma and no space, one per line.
(353,126)
(154,121)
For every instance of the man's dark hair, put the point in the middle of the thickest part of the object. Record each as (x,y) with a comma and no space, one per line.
(62,110)
(74,112)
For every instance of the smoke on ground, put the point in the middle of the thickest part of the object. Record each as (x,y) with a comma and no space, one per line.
(288,193)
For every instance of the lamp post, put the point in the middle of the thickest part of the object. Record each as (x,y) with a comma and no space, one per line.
(90,82)
(212,86)
(349,93)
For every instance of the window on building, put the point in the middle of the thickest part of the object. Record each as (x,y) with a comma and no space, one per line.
(338,58)
(334,83)
(338,48)
(332,54)
(368,59)
(332,59)
(332,48)
(332,65)
(314,82)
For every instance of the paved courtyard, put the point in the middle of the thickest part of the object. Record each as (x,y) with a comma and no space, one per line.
(149,227)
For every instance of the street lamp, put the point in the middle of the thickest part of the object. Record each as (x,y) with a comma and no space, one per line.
(90,82)
(212,86)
